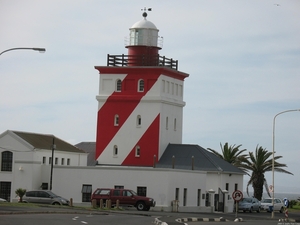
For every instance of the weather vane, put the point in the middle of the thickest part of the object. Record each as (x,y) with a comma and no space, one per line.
(145,9)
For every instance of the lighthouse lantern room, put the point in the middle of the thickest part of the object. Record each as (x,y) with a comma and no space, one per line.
(140,102)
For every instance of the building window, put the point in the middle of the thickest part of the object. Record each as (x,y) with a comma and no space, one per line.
(6,162)
(119,85)
(62,161)
(137,151)
(86,192)
(44,160)
(68,162)
(119,187)
(235,187)
(227,187)
(56,161)
(115,152)
(116,122)
(184,196)
(198,197)
(138,121)
(44,186)
(141,85)
(177,194)
(5,189)
(141,191)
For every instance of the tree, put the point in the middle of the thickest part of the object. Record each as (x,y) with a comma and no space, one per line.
(20,192)
(258,163)
(231,154)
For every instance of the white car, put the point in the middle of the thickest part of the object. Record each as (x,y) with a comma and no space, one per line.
(267,202)
(2,200)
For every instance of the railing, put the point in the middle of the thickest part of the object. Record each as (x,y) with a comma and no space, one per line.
(141,60)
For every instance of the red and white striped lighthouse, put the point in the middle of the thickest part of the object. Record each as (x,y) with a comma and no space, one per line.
(140,102)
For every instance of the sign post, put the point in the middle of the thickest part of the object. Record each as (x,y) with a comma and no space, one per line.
(237,196)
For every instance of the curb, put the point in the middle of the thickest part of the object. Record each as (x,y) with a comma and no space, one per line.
(195,219)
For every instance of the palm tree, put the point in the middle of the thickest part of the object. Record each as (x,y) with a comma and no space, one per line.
(231,154)
(259,163)
(20,192)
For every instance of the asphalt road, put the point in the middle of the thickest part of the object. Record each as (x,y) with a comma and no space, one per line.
(75,215)
(74,219)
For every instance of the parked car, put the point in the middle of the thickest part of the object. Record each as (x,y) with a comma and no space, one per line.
(249,204)
(126,197)
(267,202)
(2,200)
(44,197)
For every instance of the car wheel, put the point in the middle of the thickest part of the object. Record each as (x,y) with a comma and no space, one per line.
(250,210)
(281,210)
(140,206)
(258,210)
(56,203)
(244,210)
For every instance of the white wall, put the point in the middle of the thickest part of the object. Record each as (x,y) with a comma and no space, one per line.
(160,183)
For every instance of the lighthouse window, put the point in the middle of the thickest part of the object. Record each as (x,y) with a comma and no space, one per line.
(141,85)
(116,120)
(137,151)
(138,121)
(119,85)
(115,153)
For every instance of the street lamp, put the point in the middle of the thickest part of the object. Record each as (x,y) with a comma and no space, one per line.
(41,50)
(273,161)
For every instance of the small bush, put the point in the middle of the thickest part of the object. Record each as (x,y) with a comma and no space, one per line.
(20,192)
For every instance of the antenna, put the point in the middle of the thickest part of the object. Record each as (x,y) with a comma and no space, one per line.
(144,13)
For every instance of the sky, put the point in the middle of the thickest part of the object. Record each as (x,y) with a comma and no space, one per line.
(242,57)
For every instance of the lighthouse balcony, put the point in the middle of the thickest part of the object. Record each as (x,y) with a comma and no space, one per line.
(141,60)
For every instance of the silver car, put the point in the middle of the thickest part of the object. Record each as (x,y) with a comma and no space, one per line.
(267,202)
(44,197)
(249,204)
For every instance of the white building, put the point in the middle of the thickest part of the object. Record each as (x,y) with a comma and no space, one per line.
(138,143)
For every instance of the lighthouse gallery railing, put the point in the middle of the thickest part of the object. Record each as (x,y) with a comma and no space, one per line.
(141,60)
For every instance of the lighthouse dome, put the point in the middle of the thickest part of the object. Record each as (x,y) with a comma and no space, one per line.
(144,24)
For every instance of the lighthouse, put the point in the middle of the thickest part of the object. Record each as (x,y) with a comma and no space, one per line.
(140,101)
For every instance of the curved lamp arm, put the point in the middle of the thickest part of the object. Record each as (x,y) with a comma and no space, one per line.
(41,50)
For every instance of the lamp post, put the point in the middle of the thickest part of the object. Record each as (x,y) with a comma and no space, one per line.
(273,160)
(41,50)
(53,147)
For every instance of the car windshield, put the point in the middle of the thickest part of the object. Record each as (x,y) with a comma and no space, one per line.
(266,201)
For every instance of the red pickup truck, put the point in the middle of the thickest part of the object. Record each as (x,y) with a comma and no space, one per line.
(126,197)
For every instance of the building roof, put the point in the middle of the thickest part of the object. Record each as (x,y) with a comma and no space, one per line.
(203,159)
(90,148)
(45,141)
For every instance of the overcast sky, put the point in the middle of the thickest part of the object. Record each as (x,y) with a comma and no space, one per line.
(243,58)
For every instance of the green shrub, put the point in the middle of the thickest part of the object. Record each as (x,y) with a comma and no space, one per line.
(20,192)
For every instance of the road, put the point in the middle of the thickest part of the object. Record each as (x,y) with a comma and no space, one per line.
(74,219)
(45,214)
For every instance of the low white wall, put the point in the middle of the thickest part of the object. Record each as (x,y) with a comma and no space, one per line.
(161,184)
